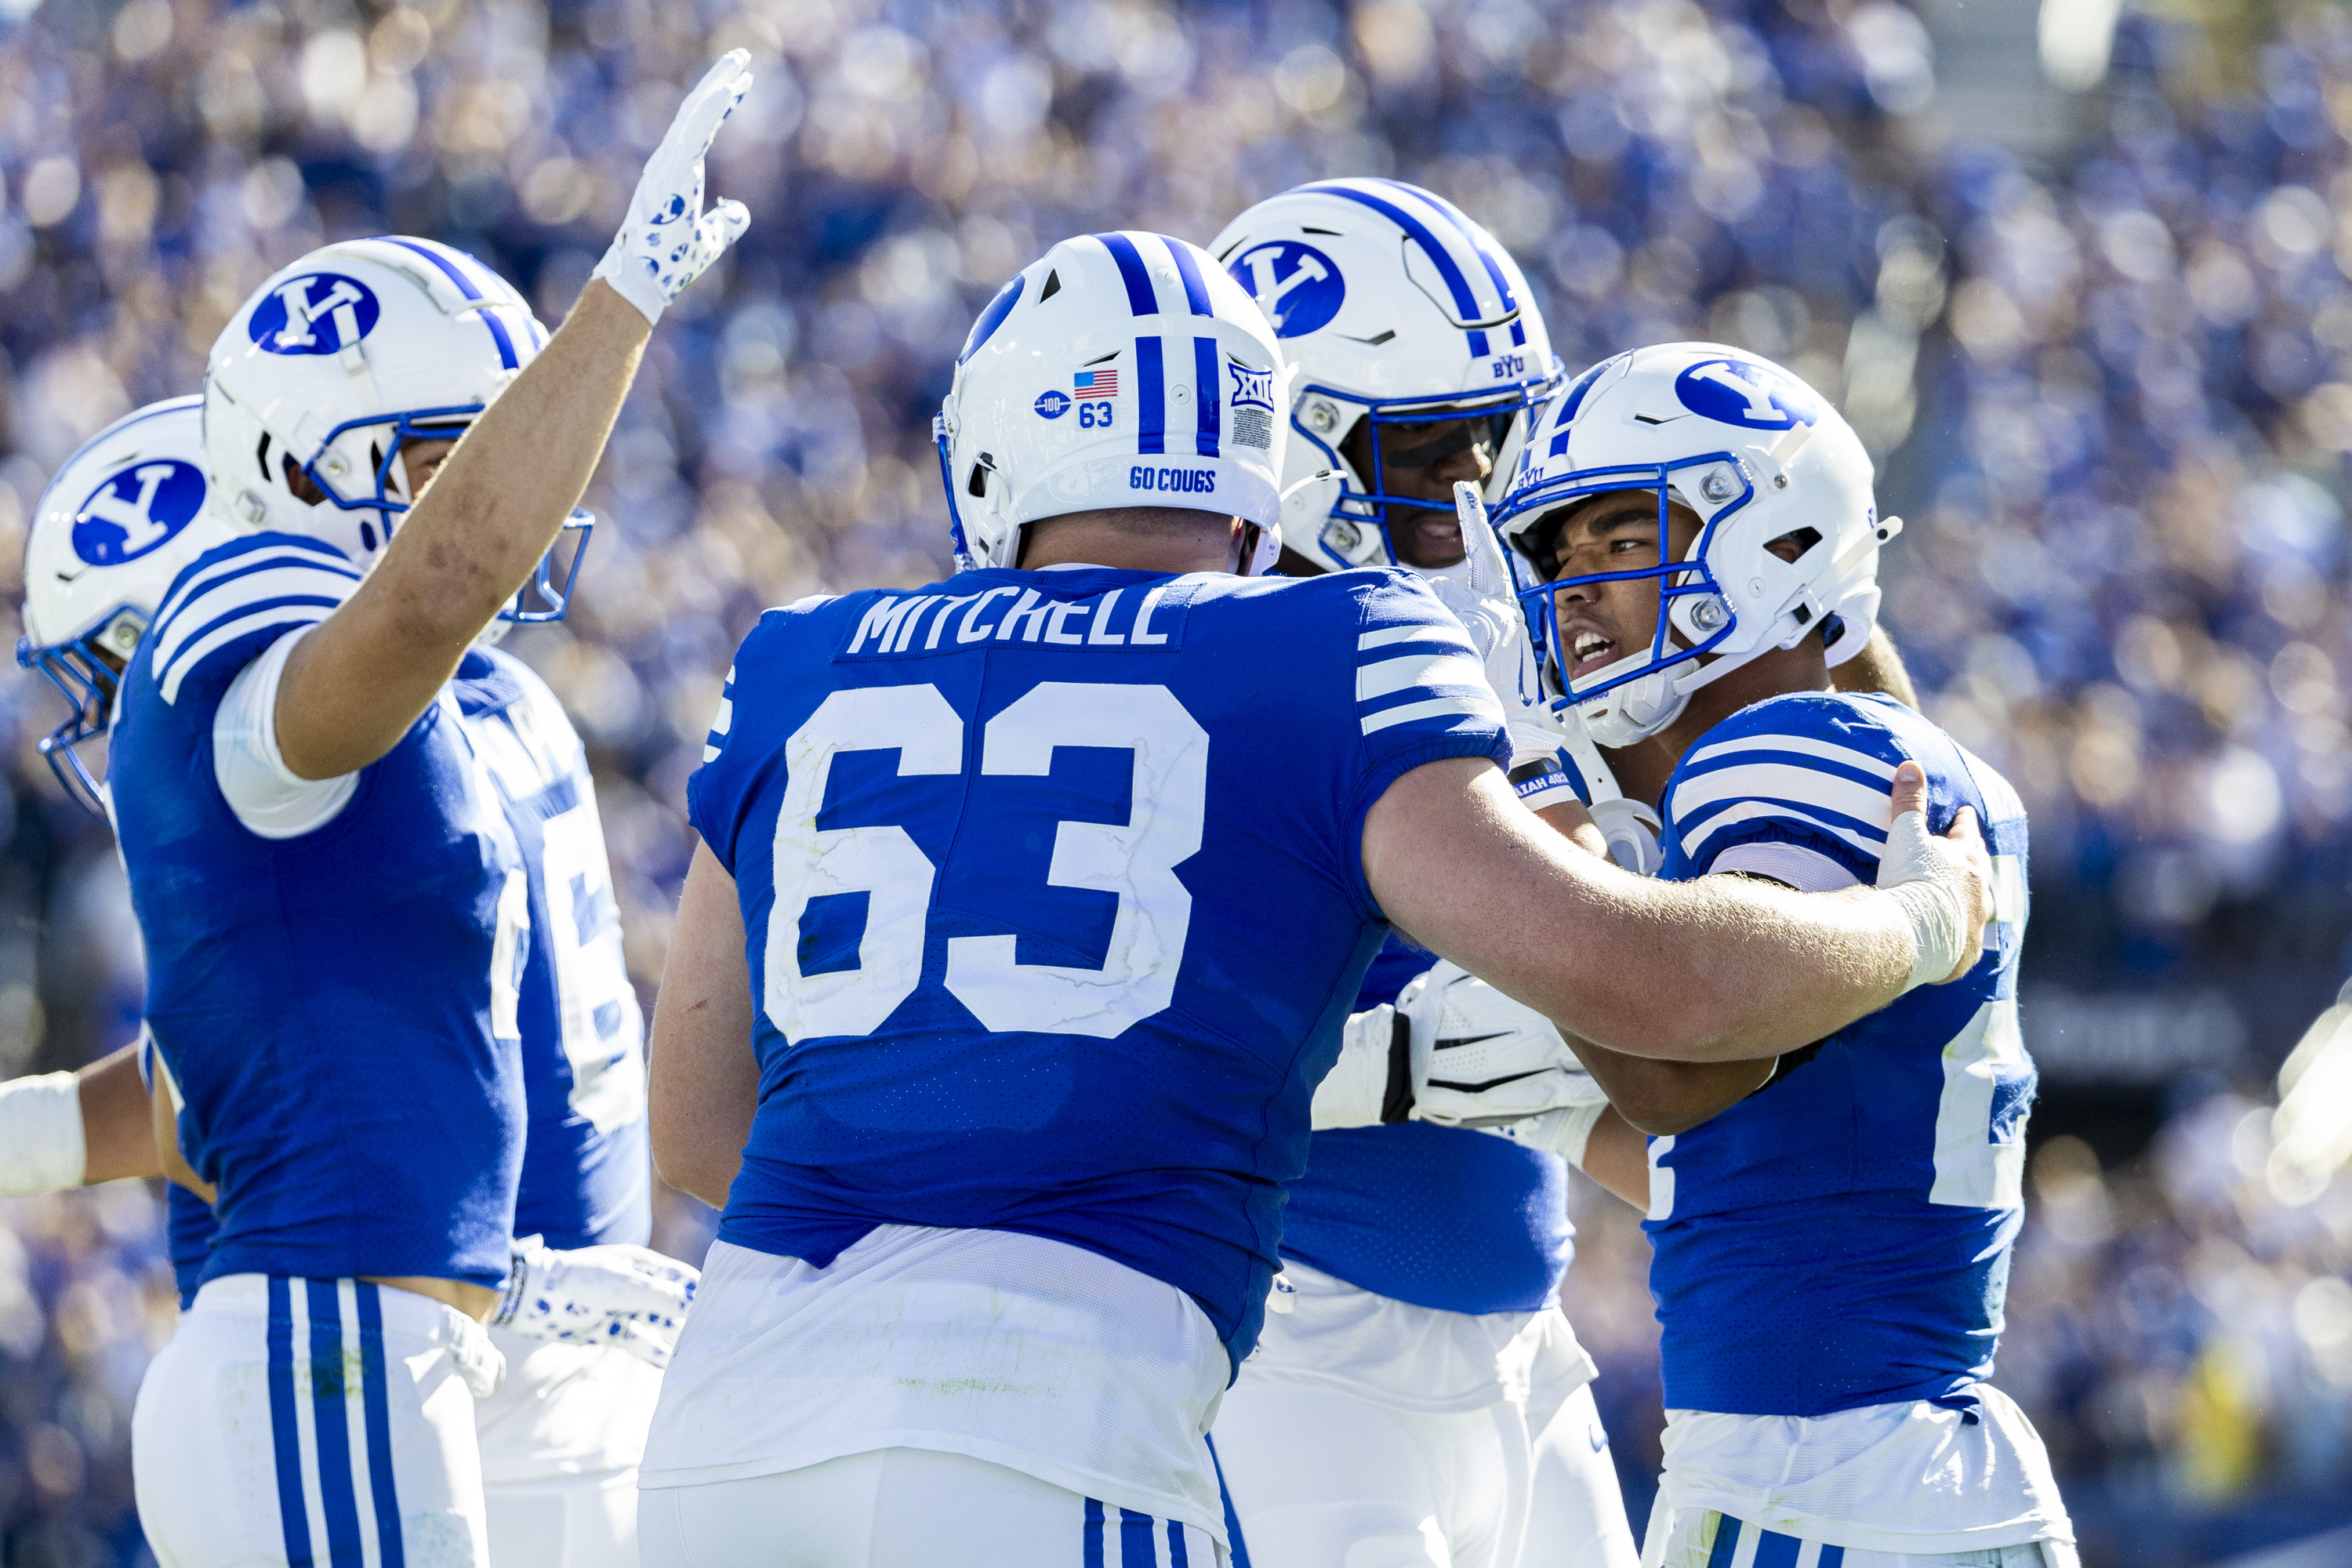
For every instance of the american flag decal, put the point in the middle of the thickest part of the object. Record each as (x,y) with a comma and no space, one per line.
(1094,383)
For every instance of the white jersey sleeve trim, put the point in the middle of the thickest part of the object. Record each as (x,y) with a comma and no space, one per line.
(1794,864)
(269,798)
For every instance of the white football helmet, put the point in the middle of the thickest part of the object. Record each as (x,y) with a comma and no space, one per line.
(1117,370)
(1757,456)
(339,360)
(120,521)
(1392,307)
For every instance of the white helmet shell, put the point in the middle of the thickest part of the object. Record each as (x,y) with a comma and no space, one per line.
(122,519)
(1117,370)
(339,359)
(1757,456)
(1390,305)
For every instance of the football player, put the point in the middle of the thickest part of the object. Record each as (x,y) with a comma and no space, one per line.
(559,1438)
(1417,1367)
(317,794)
(1831,1230)
(1028,909)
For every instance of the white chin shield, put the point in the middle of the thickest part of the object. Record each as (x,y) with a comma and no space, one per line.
(1636,711)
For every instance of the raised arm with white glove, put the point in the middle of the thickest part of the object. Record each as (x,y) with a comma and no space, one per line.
(631,1298)
(1452,1050)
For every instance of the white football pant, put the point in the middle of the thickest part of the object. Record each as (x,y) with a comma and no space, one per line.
(906,1507)
(313,1421)
(1319,1478)
(561,1440)
(1702,1535)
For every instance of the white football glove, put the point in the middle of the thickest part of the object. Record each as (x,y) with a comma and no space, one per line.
(631,1298)
(1485,599)
(1480,1058)
(1371,1073)
(668,239)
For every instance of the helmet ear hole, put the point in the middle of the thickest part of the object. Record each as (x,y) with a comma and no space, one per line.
(976,484)
(1052,286)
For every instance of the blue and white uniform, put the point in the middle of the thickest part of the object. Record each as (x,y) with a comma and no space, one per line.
(561,1437)
(324,984)
(1831,1253)
(1055,900)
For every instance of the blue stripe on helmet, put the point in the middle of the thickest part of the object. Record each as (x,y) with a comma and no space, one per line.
(1140,296)
(1196,292)
(1150,397)
(1469,231)
(991,318)
(498,333)
(1465,299)
(391,1552)
(330,1421)
(1204,389)
(465,286)
(285,1435)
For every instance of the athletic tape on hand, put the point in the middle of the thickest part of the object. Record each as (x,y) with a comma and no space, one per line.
(1923,874)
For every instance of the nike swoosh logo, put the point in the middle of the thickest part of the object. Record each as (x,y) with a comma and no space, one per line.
(1490,1083)
(1471,1039)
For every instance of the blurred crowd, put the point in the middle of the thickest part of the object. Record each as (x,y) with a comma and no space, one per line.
(2113,393)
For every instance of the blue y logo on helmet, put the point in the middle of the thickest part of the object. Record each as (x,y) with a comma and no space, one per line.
(1736,392)
(317,313)
(137,511)
(1298,287)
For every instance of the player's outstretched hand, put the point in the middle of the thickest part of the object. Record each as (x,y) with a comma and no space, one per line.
(1484,601)
(1480,1058)
(631,1298)
(668,239)
(1944,884)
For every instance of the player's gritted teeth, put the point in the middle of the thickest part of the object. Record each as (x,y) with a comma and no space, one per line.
(1590,647)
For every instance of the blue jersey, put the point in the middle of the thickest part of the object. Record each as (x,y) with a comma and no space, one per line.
(586,1175)
(1054,896)
(324,1002)
(1439,1216)
(1841,1236)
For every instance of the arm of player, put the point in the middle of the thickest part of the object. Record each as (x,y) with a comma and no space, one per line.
(1722,969)
(353,685)
(1617,1155)
(704,1082)
(66,1129)
(1659,1097)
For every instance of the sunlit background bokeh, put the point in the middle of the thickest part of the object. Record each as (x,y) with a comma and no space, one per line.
(2077,271)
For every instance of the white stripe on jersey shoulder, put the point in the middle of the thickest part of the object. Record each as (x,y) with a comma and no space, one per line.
(1418,631)
(1387,677)
(1467,705)
(278,580)
(1766,782)
(1872,844)
(1801,745)
(230,568)
(290,617)
(1806,871)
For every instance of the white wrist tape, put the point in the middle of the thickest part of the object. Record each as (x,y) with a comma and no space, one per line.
(1918,871)
(41,1147)
(1355,1091)
(1575,1131)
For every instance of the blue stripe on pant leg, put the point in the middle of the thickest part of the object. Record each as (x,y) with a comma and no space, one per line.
(1176,1557)
(1727,1542)
(330,1420)
(1135,1540)
(285,1434)
(1774,1549)
(1831,1557)
(1093,1554)
(376,1401)
(1226,1496)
